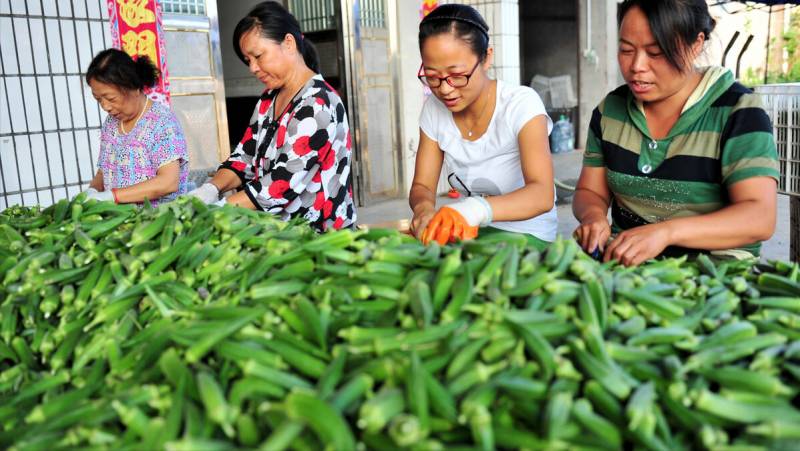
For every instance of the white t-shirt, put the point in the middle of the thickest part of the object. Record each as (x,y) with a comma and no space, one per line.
(490,166)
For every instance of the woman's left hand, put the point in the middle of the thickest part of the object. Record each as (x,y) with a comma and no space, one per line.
(638,245)
(106,196)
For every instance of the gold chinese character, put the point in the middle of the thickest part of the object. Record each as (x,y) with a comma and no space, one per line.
(143,44)
(135,12)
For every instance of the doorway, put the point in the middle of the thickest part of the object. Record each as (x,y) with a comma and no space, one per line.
(549,47)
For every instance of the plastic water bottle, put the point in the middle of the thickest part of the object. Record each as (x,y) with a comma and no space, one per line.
(562,138)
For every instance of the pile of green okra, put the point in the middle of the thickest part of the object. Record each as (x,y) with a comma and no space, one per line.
(189,327)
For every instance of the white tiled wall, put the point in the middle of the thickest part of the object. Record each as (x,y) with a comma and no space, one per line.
(502,16)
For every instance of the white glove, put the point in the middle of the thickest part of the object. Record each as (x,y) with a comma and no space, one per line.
(101,195)
(207,193)
(475,210)
(221,202)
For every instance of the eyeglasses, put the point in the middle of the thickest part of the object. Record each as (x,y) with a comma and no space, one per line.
(456,81)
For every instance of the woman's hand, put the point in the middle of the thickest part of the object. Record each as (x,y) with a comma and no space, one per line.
(639,244)
(593,234)
(207,192)
(422,197)
(422,217)
(104,196)
(458,221)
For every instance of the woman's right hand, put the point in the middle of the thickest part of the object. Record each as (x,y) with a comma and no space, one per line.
(593,233)
(421,219)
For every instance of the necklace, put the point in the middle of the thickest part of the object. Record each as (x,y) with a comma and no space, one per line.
(480,116)
(122,123)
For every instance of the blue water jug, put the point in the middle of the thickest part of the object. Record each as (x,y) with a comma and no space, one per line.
(562,138)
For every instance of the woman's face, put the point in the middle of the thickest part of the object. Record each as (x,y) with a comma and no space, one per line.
(268,60)
(647,72)
(120,103)
(446,55)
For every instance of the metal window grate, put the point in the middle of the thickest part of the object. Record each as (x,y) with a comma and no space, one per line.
(782,103)
(319,15)
(49,121)
(190,7)
(373,13)
(314,15)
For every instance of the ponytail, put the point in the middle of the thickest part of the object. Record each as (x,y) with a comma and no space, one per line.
(147,72)
(117,68)
(310,55)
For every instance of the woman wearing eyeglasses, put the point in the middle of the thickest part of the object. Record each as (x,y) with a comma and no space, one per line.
(294,158)
(493,137)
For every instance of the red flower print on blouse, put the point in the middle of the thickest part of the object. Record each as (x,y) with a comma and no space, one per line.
(281,136)
(277,188)
(264,106)
(301,146)
(319,202)
(327,156)
(248,135)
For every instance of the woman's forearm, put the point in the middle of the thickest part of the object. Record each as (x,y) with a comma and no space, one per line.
(241,199)
(736,225)
(527,202)
(154,188)
(421,197)
(588,206)
(226,180)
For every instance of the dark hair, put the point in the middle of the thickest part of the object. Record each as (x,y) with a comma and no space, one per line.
(675,24)
(117,68)
(275,22)
(464,21)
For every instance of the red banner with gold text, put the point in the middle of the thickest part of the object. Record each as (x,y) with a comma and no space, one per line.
(137,28)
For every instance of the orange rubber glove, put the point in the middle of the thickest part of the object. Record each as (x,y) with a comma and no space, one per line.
(458,221)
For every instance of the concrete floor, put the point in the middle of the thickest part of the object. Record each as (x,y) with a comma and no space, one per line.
(567,167)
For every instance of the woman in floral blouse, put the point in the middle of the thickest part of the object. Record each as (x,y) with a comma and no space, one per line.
(294,158)
(142,148)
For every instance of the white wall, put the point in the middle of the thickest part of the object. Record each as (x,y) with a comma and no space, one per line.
(49,123)
(599,71)
(411,90)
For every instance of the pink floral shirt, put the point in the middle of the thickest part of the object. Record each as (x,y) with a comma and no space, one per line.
(131,158)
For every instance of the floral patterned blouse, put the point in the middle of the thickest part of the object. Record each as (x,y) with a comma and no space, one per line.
(133,157)
(296,163)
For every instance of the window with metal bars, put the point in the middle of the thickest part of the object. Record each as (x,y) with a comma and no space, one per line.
(49,122)
(373,13)
(190,7)
(314,15)
(319,15)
